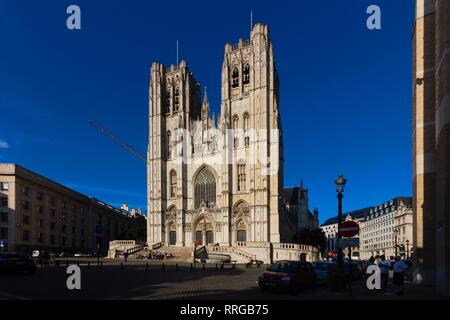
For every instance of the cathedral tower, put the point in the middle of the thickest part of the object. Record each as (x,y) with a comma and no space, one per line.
(250,108)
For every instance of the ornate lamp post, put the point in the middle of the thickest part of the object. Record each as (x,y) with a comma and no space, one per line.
(396,232)
(340,185)
(407,249)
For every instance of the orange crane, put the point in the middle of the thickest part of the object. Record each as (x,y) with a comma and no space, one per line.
(116,140)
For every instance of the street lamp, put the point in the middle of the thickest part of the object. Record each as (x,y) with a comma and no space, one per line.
(407,249)
(340,185)
(396,232)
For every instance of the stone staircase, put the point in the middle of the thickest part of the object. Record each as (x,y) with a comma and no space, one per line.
(185,254)
(124,246)
(236,254)
(181,254)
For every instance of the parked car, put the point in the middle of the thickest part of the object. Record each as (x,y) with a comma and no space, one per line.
(82,255)
(16,262)
(324,270)
(287,276)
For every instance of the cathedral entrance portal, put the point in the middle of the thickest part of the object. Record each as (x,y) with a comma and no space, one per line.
(204,232)
(241,232)
(172,234)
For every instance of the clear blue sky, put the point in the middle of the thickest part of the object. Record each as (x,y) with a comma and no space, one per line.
(345,90)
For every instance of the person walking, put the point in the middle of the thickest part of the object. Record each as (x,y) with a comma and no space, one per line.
(399,274)
(384,265)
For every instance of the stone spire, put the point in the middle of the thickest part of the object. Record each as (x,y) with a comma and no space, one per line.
(205,108)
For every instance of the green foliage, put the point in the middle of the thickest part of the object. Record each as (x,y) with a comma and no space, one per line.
(315,238)
(136,231)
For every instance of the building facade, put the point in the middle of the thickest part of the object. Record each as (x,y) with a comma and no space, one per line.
(218,183)
(38,213)
(387,230)
(431,147)
(330,229)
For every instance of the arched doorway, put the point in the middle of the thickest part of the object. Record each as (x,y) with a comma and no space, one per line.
(241,235)
(241,222)
(204,232)
(170,229)
(172,234)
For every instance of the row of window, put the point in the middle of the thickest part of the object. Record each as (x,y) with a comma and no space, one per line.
(205,186)
(41,197)
(235,77)
(40,237)
(4,202)
(176,100)
(173,101)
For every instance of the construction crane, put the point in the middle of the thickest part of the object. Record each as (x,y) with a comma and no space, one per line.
(116,140)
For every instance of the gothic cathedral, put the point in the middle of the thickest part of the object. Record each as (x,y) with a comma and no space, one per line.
(218,183)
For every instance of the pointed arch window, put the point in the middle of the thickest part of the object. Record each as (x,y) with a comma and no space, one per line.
(205,189)
(176,97)
(169,145)
(246,75)
(168,100)
(173,184)
(235,77)
(246,127)
(241,177)
(235,131)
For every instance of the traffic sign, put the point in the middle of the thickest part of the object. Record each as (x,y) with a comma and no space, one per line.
(349,229)
(349,243)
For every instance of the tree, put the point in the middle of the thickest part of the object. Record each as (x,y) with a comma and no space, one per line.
(136,231)
(315,238)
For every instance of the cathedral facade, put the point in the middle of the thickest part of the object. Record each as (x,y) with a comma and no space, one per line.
(218,182)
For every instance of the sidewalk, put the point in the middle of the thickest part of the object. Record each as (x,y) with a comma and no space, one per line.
(410,292)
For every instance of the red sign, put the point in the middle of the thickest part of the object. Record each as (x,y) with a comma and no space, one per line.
(349,229)
(196,243)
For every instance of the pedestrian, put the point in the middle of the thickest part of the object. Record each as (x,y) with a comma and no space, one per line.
(384,265)
(399,274)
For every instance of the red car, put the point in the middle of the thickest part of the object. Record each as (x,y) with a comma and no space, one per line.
(16,263)
(288,276)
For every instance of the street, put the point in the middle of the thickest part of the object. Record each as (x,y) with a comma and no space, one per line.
(134,281)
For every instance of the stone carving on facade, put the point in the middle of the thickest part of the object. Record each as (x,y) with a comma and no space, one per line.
(187,227)
(241,211)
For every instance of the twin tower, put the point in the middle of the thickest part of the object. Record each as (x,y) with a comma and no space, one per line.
(216,182)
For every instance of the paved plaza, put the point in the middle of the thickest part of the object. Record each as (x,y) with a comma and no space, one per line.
(135,281)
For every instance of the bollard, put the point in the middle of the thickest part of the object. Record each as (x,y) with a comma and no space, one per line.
(176,266)
(163,266)
(203,266)
(191,266)
(78,263)
(101,264)
(217,267)
(146,266)
(67,263)
(121,265)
